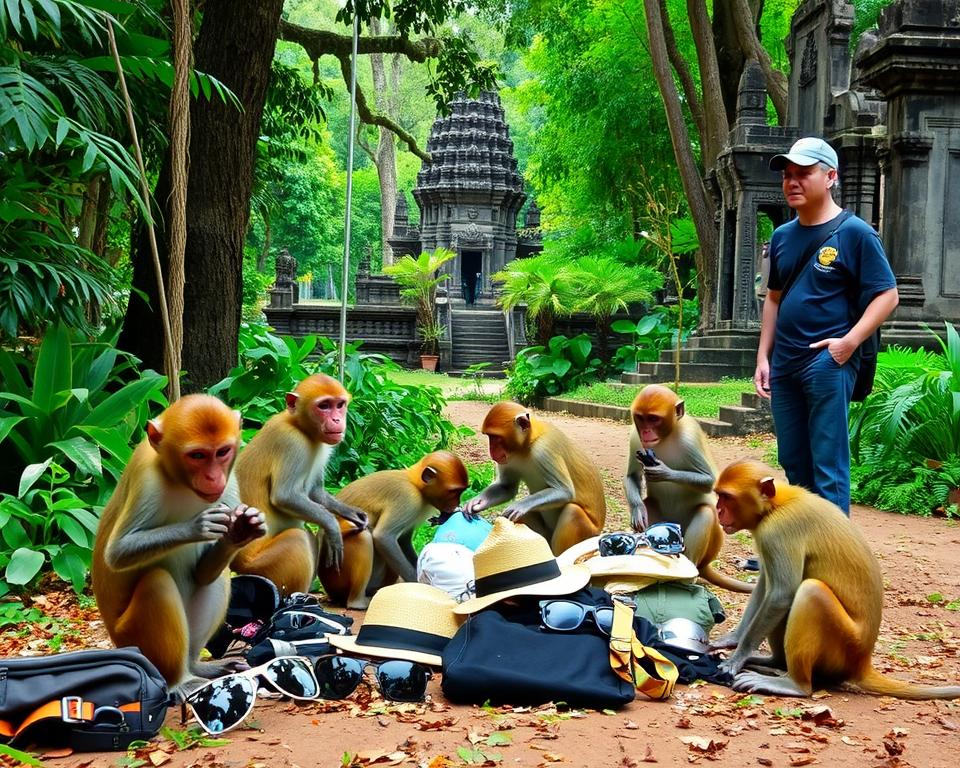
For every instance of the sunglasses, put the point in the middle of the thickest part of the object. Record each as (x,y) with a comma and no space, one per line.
(293,624)
(568,615)
(665,538)
(223,704)
(339,676)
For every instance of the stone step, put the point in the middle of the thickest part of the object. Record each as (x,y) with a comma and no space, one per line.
(724,341)
(712,355)
(717,428)
(691,372)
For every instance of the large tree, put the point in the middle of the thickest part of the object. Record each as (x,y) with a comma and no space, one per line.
(236,45)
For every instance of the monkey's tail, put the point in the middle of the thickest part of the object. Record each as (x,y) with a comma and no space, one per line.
(708,573)
(873,682)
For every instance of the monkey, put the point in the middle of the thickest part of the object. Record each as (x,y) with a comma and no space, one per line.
(281,472)
(165,538)
(396,502)
(566,503)
(679,480)
(819,598)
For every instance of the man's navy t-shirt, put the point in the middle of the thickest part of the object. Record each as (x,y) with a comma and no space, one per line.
(848,267)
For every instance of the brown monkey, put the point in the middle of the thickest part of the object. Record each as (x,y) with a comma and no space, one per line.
(566,503)
(679,480)
(396,502)
(164,542)
(819,597)
(282,470)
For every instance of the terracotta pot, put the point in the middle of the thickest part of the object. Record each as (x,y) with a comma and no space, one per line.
(429,362)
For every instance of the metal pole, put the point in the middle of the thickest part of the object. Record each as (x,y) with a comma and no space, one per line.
(346,224)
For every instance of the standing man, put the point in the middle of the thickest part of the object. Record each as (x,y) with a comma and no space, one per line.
(830,288)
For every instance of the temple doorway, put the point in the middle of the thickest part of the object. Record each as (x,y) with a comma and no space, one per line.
(471,275)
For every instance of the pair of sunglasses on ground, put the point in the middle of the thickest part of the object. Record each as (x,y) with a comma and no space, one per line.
(569,615)
(665,538)
(223,704)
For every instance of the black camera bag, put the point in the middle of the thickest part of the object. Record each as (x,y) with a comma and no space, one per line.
(90,701)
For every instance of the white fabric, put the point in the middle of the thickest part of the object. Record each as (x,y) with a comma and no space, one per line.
(446,566)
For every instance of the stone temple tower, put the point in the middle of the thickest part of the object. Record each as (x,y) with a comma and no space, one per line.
(470,195)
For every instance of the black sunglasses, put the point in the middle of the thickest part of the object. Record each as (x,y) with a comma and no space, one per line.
(568,615)
(398,680)
(665,538)
(224,703)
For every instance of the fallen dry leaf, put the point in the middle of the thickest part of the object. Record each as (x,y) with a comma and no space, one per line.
(440,761)
(893,746)
(684,722)
(802,759)
(631,726)
(764,761)
(158,757)
(703,744)
(850,742)
(648,756)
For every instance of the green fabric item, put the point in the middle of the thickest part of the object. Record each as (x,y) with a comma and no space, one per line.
(671,599)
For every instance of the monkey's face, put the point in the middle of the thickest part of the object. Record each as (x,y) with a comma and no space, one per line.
(650,428)
(207,469)
(498,449)
(330,416)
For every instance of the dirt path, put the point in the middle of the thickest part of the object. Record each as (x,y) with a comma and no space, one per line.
(919,641)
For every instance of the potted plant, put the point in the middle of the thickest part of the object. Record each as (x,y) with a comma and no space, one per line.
(418,279)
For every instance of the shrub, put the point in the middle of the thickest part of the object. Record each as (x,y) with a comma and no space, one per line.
(552,370)
(67,420)
(905,436)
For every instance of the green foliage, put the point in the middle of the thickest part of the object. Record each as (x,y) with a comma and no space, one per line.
(540,283)
(652,333)
(67,419)
(418,279)
(905,437)
(391,425)
(702,400)
(866,13)
(547,371)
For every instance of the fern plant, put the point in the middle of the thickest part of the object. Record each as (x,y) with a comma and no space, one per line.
(905,437)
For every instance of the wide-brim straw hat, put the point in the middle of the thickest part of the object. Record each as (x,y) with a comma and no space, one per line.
(514,560)
(644,564)
(409,621)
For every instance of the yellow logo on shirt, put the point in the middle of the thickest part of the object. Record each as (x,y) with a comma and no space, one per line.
(827,256)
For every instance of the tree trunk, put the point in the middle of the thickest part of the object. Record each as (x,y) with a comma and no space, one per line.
(746,27)
(700,204)
(236,45)
(716,127)
(385,159)
(731,58)
(267,240)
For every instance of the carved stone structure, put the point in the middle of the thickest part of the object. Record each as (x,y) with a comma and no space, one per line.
(285,292)
(469,198)
(914,62)
(747,188)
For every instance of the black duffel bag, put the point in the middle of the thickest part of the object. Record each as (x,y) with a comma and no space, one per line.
(492,658)
(91,701)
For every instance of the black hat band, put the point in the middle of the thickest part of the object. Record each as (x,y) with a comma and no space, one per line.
(400,638)
(517,577)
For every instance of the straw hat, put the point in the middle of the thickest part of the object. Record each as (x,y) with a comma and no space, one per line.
(404,621)
(644,567)
(514,560)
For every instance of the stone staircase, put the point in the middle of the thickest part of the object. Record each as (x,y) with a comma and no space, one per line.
(479,336)
(751,416)
(711,357)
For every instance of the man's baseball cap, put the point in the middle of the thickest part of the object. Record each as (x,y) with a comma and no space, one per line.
(806,151)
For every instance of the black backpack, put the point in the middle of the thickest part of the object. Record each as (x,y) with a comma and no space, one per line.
(90,701)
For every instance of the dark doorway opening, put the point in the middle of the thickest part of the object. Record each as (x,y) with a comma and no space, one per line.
(471,275)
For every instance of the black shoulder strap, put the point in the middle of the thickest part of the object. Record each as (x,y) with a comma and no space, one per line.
(808,254)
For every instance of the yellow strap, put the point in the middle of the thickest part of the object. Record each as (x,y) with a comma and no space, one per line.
(649,671)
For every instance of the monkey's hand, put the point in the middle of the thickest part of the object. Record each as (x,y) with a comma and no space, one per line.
(210,525)
(331,547)
(473,508)
(729,640)
(638,518)
(734,664)
(659,473)
(246,524)
(514,513)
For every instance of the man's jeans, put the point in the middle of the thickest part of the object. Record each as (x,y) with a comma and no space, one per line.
(810,413)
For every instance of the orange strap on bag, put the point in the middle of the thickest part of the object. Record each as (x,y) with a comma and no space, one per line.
(649,671)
